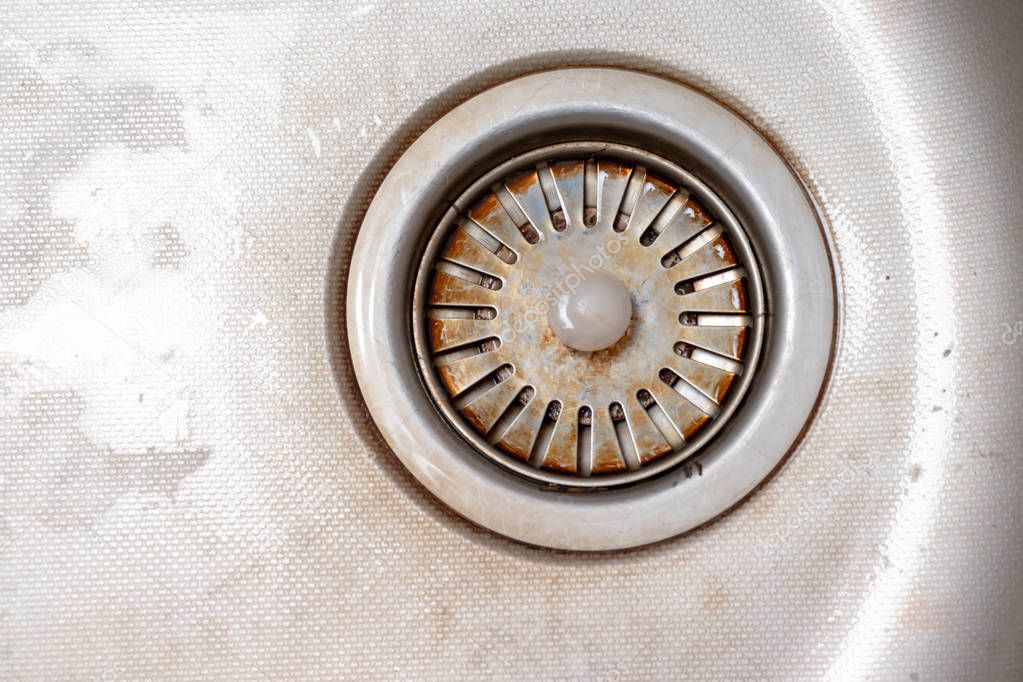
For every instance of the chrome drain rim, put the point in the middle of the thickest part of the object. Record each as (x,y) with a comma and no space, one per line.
(542,223)
(692,132)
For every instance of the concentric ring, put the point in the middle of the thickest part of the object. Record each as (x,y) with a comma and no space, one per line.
(720,151)
(542,223)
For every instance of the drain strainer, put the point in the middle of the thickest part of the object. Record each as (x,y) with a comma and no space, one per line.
(594,319)
(588,320)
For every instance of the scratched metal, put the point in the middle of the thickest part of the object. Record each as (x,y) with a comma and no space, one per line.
(188,491)
(539,236)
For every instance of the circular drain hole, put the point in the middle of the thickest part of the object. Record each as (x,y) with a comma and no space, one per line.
(595,319)
(591,317)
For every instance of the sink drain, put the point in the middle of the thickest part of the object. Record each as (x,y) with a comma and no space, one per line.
(594,319)
(591,317)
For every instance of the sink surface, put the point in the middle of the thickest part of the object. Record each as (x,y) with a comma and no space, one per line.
(191,485)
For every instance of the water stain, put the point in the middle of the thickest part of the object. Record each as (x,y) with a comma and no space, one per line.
(51,125)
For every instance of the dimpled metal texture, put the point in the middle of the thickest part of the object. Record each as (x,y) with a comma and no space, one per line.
(543,231)
(191,486)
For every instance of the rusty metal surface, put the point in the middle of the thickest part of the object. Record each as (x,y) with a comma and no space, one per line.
(181,184)
(538,234)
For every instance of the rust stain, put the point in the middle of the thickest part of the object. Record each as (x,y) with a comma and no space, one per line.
(593,379)
(566,170)
(450,290)
(437,336)
(660,185)
(726,257)
(694,427)
(722,386)
(485,210)
(614,168)
(740,342)
(740,288)
(697,213)
(521,184)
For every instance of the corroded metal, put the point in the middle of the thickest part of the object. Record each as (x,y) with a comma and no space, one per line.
(536,234)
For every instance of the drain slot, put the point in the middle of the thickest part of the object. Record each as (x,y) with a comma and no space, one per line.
(621,428)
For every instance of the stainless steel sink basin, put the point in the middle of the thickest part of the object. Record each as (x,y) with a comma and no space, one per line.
(191,485)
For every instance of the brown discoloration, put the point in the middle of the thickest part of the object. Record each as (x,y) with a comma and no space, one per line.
(714,256)
(649,442)
(711,381)
(450,290)
(615,169)
(682,413)
(659,185)
(606,456)
(564,171)
(727,341)
(446,334)
(728,297)
(486,209)
(518,439)
(695,425)
(574,378)
(489,214)
(483,412)
(563,449)
(463,248)
(696,213)
(739,349)
(521,183)
(461,374)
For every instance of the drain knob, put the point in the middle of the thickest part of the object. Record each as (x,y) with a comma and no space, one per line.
(592,315)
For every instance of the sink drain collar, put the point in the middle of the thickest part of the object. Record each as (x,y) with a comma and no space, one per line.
(593,320)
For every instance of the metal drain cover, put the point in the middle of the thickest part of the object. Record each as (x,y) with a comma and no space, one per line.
(589,215)
(597,319)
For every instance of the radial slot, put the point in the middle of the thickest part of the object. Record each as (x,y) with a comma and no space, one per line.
(446,334)
(669,432)
(545,433)
(727,341)
(686,418)
(484,386)
(631,196)
(562,449)
(449,289)
(469,274)
(590,194)
(606,455)
(484,407)
(538,234)
(515,214)
(460,312)
(459,369)
(569,176)
(511,413)
(690,392)
(584,443)
(625,443)
(653,196)
(491,215)
(726,297)
(647,441)
(488,242)
(685,224)
(612,178)
(550,194)
(525,189)
(518,439)
(664,218)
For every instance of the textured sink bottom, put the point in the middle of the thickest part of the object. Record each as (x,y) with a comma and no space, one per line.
(190,485)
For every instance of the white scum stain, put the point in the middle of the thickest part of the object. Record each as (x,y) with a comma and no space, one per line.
(314,140)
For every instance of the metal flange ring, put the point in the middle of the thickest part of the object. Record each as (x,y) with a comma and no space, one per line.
(535,147)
